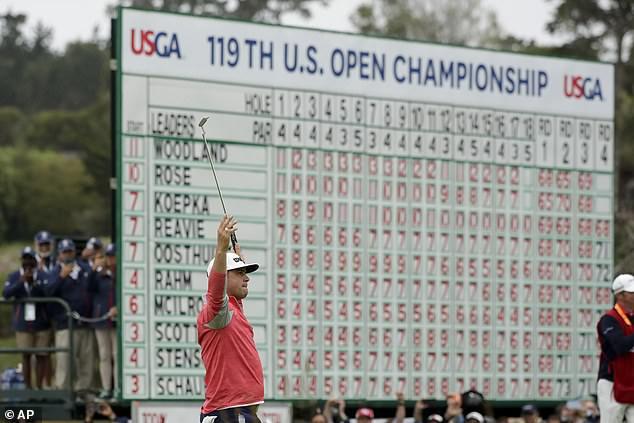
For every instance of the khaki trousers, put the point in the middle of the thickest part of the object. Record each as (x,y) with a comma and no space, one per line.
(82,358)
(107,343)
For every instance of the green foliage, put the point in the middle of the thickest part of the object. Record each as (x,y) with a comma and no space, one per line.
(33,78)
(610,21)
(464,22)
(46,190)
(257,10)
(12,122)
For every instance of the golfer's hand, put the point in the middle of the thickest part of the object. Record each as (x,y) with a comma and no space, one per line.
(228,225)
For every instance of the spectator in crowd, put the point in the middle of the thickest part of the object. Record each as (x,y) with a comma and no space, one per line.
(400,414)
(590,410)
(43,243)
(30,320)
(335,411)
(101,283)
(453,413)
(419,408)
(93,246)
(564,413)
(473,400)
(69,281)
(103,408)
(364,415)
(474,417)
(530,414)
(615,386)
(318,417)
(434,418)
(400,408)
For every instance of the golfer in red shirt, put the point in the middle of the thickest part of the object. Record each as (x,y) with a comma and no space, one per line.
(234,383)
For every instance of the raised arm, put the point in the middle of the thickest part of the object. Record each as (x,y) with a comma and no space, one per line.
(215,311)
(14,287)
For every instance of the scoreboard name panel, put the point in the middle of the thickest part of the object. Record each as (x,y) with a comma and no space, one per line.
(427,218)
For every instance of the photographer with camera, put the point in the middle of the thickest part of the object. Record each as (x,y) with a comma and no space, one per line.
(30,320)
(335,411)
(103,408)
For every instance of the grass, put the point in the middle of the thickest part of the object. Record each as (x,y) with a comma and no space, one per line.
(10,257)
(8,360)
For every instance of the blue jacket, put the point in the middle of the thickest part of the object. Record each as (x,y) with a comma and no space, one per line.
(102,286)
(18,289)
(74,290)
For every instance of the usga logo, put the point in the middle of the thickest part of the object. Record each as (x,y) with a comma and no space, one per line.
(161,43)
(577,86)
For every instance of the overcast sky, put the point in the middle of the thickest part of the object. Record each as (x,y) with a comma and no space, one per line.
(76,19)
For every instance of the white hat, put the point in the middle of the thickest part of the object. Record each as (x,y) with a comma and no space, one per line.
(235,262)
(623,283)
(474,415)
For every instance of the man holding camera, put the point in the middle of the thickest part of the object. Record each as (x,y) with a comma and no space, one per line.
(30,321)
(615,388)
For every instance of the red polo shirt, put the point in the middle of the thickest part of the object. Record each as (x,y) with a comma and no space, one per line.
(233,370)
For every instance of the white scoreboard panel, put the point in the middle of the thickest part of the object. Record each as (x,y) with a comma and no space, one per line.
(427,218)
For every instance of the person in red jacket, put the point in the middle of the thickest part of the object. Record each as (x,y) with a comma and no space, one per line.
(615,386)
(234,381)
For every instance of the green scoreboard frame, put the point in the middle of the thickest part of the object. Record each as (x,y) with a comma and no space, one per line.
(427,218)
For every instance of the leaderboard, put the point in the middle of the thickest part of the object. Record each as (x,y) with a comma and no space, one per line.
(427,218)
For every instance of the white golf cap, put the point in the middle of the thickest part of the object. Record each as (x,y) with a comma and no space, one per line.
(623,283)
(474,415)
(235,262)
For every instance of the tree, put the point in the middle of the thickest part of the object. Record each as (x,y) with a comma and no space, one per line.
(84,133)
(43,189)
(608,21)
(12,122)
(256,10)
(464,22)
